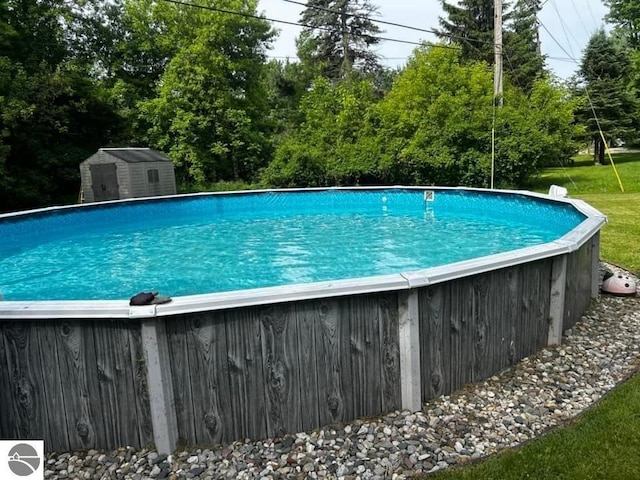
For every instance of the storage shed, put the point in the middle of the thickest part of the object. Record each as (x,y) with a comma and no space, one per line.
(116,173)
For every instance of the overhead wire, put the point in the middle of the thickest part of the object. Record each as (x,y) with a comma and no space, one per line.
(593,110)
(582,22)
(384,22)
(297,24)
(569,55)
(564,29)
(593,17)
(563,59)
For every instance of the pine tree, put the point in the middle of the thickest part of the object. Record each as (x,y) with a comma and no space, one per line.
(343,44)
(605,70)
(523,60)
(470,25)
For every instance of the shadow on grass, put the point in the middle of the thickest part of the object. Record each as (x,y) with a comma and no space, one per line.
(560,177)
(618,158)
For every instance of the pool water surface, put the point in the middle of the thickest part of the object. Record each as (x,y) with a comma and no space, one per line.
(218,243)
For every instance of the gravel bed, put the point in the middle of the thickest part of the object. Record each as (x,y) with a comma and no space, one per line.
(514,406)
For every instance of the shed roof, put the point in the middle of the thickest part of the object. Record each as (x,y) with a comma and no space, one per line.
(136,155)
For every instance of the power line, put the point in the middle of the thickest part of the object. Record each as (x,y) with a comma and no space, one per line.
(582,22)
(297,24)
(593,17)
(285,57)
(384,22)
(564,30)
(393,24)
(563,59)
(556,41)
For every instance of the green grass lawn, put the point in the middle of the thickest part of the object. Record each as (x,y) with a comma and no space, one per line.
(598,186)
(605,442)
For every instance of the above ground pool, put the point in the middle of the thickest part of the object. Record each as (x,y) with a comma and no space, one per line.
(219,243)
(290,310)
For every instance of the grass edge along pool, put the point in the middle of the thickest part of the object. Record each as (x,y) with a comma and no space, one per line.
(398,281)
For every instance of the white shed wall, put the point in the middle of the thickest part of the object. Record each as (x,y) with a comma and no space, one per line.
(139,179)
(132,177)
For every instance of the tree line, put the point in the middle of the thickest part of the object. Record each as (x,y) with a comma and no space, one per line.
(194,81)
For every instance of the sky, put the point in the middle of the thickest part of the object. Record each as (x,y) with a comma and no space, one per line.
(566,26)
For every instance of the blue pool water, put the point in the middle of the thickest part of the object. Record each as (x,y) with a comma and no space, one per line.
(218,243)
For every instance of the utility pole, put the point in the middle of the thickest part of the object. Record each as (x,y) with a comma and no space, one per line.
(497,78)
(497,35)
(346,67)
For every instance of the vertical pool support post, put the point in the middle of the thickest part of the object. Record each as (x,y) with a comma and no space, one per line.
(556,302)
(595,265)
(160,385)
(409,342)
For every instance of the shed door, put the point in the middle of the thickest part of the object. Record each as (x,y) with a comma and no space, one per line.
(104,182)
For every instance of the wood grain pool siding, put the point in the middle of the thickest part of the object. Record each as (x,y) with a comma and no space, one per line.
(266,371)
(475,326)
(75,384)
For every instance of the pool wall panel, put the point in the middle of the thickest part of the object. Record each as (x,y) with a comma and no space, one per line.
(246,379)
(24,370)
(54,394)
(7,415)
(578,287)
(73,384)
(434,350)
(280,351)
(267,371)
(472,327)
(209,375)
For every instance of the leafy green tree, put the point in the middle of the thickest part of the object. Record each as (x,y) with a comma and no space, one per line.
(209,111)
(609,104)
(142,36)
(51,120)
(436,124)
(342,43)
(334,145)
(286,83)
(33,34)
(625,15)
(433,127)
(51,115)
(7,31)
(436,121)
